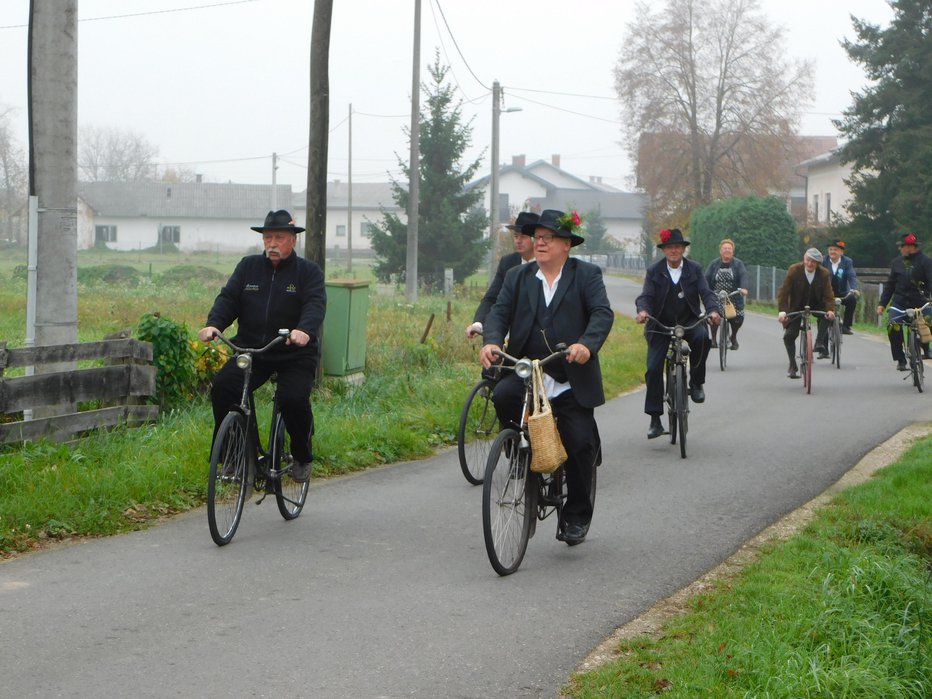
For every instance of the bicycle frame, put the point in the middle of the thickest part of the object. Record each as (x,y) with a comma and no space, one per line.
(723,335)
(804,343)
(912,341)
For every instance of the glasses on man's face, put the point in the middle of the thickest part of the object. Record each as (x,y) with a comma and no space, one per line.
(544,239)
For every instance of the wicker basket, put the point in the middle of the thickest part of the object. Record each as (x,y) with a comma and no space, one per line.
(547,452)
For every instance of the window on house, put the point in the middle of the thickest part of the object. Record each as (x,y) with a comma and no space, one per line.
(365,229)
(170,234)
(815,207)
(341,231)
(828,207)
(105,234)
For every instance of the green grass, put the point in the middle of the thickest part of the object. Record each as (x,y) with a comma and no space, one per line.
(408,406)
(843,609)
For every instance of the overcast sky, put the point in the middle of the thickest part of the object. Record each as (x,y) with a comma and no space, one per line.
(219,85)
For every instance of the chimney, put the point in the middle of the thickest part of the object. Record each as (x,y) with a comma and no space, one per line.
(518,161)
(555,159)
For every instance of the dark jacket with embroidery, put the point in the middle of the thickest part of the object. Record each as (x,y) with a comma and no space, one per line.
(908,285)
(264,298)
(693,283)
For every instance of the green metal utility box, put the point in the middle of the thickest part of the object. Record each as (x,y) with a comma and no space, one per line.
(344,350)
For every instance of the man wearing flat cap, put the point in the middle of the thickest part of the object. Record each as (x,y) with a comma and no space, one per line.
(909,285)
(524,253)
(673,288)
(807,283)
(266,292)
(551,300)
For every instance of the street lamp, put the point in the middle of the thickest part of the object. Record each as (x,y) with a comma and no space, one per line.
(493,183)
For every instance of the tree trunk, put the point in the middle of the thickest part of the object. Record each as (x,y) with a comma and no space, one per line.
(316,240)
(53,87)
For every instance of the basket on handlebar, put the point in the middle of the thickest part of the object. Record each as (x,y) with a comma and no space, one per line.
(730,310)
(547,451)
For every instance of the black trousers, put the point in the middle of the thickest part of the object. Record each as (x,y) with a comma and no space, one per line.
(578,431)
(295,378)
(657,343)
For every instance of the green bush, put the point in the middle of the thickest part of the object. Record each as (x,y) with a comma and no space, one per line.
(111,274)
(762,228)
(174,358)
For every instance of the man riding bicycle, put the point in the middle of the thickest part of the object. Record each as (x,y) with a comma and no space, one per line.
(909,286)
(844,283)
(266,292)
(807,283)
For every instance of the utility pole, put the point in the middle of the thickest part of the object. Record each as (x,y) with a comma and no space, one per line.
(315,242)
(275,182)
(53,166)
(414,166)
(349,197)
(493,178)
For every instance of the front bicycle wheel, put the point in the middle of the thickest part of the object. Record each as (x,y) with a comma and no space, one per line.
(228,480)
(805,358)
(916,365)
(478,423)
(835,340)
(723,344)
(289,493)
(508,502)
(682,406)
(671,401)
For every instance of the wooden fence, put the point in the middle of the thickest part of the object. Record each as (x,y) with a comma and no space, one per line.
(121,386)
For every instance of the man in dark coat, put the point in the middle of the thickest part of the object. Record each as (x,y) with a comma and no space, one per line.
(671,293)
(556,299)
(807,283)
(844,281)
(267,292)
(909,285)
(524,252)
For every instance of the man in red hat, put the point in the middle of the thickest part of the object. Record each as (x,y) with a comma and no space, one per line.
(671,293)
(909,285)
(276,289)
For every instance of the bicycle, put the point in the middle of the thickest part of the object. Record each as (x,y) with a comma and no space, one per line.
(478,422)
(834,339)
(238,461)
(723,337)
(676,387)
(805,343)
(912,345)
(514,498)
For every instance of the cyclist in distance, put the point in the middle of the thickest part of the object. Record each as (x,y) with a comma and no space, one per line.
(729,274)
(844,280)
(807,283)
(671,293)
(266,292)
(524,253)
(908,285)
(556,299)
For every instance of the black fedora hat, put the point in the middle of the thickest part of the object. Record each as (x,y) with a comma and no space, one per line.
(672,237)
(908,239)
(524,218)
(563,225)
(837,243)
(279,220)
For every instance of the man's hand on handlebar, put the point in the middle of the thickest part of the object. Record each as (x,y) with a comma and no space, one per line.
(207,334)
(487,355)
(578,353)
(298,338)
(642,316)
(715,318)
(473,330)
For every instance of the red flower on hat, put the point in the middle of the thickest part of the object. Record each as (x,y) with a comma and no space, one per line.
(665,236)
(910,239)
(570,221)
(576,220)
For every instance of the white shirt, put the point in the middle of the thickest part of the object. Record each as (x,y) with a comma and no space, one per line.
(551,385)
(810,275)
(675,274)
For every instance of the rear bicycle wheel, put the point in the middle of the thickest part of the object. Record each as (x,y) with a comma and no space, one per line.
(916,366)
(228,480)
(723,344)
(682,406)
(289,493)
(478,423)
(508,502)
(835,340)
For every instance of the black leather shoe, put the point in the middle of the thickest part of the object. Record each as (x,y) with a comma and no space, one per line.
(656,428)
(927,353)
(714,344)
(845,330)
(697,394)
(792,372)
(733,346)
(822,355)
(575,533)
(901,365)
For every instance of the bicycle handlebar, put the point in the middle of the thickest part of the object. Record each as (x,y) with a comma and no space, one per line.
(805,311)
(671,329)
(920,309)
(561,352)
(283,334)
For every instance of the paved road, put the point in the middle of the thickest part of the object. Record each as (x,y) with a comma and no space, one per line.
(383,589)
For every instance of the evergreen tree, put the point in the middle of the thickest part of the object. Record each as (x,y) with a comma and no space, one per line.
(451,227)
(596,239)
(889,126)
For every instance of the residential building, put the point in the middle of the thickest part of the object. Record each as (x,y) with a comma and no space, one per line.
(827,194)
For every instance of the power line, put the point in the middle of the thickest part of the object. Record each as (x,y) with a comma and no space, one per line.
(465,62)
(150,12)
(568,111)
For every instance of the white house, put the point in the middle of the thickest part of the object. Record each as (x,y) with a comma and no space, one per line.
(827,195)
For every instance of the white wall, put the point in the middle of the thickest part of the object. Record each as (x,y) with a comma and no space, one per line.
(828,179)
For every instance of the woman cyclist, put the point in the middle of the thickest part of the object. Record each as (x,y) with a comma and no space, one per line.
(729,274)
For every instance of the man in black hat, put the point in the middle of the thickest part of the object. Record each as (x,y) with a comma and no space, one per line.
(524,252)
(276,289)
(909,285)
(844,282)
(671,293)
(556,299)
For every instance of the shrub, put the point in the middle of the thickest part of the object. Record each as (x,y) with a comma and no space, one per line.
(762,228)
(175,378)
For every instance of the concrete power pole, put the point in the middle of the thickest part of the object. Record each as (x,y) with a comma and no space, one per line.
(316,240)
(53,167)
(414,166)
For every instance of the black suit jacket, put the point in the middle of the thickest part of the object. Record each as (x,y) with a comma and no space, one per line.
(693,283)
(485,305)
(580,310)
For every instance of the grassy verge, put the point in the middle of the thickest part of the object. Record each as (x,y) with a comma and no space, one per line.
(844,609)
(408,406)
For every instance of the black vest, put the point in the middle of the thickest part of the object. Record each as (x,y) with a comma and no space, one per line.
(675,309)
(542,342)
